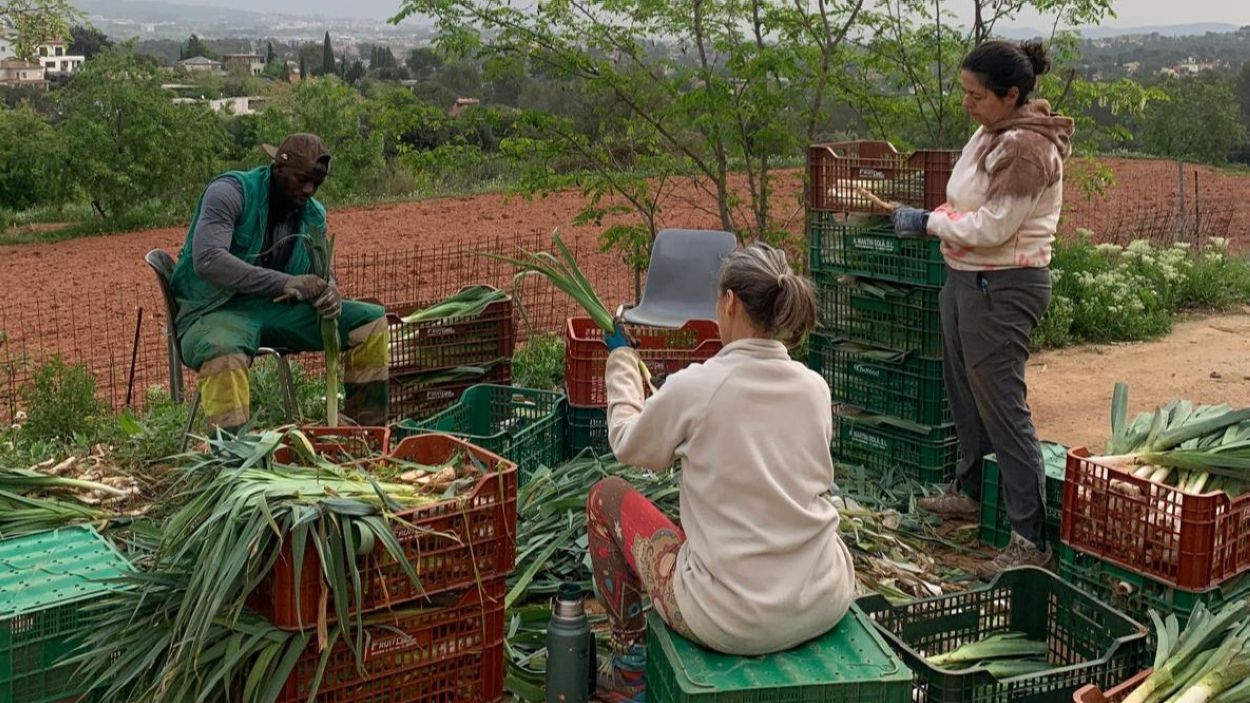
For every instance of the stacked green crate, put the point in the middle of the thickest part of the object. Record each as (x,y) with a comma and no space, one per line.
(879,345)
(995,527)
(50,582)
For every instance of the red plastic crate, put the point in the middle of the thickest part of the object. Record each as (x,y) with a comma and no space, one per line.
(417,401)
(1187,541)
(836,171)
(665,351)
(451,654)
(342,443)
(1092,694)
(450,342)
(451,545)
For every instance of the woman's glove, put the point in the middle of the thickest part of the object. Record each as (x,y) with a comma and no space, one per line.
(909,220)
(617,338)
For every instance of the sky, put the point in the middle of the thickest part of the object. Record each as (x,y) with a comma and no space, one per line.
(1131,13)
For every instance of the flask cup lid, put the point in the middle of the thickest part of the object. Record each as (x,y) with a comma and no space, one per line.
(571,592)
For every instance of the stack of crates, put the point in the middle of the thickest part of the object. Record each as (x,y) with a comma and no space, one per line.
(879,342)
(522,425)
(430,642)
(50,584)
(432,363)
(1142,545)
(664,351)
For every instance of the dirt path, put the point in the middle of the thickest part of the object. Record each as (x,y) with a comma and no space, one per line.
(1204,360)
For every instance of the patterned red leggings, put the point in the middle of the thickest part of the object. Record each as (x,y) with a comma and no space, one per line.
(633,548)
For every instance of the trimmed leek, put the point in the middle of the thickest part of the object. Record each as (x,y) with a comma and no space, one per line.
(1211,656)
(1001,645)
(470,302)
(323,255)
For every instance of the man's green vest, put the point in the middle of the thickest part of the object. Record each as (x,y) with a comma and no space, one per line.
(196,296)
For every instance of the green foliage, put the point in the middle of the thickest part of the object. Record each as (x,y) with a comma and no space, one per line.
(1243,94)
(327,57)
(156,434)
(540,363)
(1108,293)
(266,392)
(61,405)
(32,162)
(739,92)
(196,47)
(423,62)
(1091,178)
(342,118)
(35,22)
(88,41)
(129,144)
(1199,119)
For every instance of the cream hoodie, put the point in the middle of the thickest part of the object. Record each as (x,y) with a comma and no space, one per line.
(1005,193)
(763,568)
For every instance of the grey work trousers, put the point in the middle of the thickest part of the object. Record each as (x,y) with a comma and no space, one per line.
(987,318)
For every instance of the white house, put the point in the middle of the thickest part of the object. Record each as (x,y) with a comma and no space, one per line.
(247,105)
(6,46)
(246,63)
(63,65)
(18,72)
(55,58)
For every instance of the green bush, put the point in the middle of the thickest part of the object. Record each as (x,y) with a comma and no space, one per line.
(61,405)
(157,434)
(540,363)
(1108,293)
(266,401)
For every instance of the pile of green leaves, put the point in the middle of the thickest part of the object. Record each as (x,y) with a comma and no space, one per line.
(183,632)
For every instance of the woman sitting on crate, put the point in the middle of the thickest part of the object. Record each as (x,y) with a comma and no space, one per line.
(997,226)
(757,565)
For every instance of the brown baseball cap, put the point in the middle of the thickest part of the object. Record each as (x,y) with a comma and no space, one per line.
(302,152)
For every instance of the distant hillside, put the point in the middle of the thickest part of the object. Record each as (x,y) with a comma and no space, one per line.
(1169,30)
(149,19)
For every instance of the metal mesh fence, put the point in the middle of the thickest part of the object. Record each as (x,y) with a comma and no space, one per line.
(120,337)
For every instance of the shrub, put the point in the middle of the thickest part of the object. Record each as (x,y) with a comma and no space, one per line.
(540,363)
(61,405)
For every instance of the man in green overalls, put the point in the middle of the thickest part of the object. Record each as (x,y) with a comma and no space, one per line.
(247,278)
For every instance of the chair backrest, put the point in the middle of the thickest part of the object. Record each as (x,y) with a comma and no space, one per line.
(162,264)
(682,279)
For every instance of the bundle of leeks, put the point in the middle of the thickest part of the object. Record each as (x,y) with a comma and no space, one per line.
(1196,448)
(1003,654)
(1207,663)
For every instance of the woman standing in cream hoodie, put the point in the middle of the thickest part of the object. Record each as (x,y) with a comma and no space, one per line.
(997,226)
(757,565)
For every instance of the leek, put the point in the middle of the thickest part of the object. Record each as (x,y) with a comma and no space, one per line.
(470,302)
(564,274)
(1001,645)
(323,255)
(1186,664)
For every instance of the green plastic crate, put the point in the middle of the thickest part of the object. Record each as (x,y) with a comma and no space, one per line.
(882,448)
(880,382)
(1087,640)
(995,526)
(904,319)
(850,664)
(1136,595)
(523,425)
(587,427)
(48,583)
(865,246)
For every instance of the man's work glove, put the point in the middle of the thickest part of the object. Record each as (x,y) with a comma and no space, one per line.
(617,338)
(304,288)
(329,304)
(909,220)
